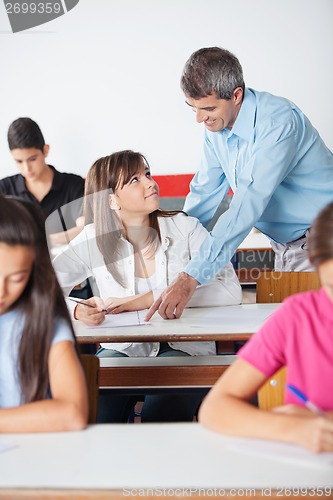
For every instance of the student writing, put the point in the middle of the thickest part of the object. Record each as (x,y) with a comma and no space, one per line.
(42,183)
(133,250)
(298,336)
(42,386)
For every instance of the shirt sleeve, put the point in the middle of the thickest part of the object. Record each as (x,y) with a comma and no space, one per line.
(62,331)
(3,186)
(72,264)
(268,165)
(224,289)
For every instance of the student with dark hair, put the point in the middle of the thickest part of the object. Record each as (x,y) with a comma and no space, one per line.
(299,335)
(42,183)
(42,385)
(133,249)
(267,151)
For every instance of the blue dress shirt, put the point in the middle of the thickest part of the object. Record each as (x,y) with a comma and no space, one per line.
(279,169)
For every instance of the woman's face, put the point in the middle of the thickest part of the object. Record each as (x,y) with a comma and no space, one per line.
(325,271)
(139,196)
(15,268)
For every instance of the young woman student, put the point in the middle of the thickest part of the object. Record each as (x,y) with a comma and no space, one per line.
(42,385)
(134,249)
(299,336)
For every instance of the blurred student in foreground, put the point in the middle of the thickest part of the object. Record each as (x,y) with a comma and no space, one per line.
(299,335)
(42,385)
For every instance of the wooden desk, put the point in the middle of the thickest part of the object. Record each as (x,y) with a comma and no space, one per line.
(115,461)
(217,323)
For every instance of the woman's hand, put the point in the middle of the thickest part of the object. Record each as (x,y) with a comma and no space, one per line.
(116,305)
(315,433)
(91,316)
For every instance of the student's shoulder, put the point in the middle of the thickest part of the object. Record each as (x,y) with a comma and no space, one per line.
(180,221)
(88,233)
(69,177)
(62,331)
(90,229)
(302,303)
(7,183)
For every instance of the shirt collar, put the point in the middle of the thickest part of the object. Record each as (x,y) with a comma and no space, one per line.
(243,126)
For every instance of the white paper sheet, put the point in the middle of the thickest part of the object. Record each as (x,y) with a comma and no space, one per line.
(6,445)
(282,451)
(133,318)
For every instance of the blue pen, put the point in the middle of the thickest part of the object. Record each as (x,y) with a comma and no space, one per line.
(302,397)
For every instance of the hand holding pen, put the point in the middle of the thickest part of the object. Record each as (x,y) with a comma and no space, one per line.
(304,399)
(315,434)
(91,311)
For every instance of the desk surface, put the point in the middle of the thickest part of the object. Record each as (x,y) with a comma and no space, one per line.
(207,323)
(132,456)
(255,241)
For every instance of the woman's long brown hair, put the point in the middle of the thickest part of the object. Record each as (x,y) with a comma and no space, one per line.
(42,302)
(105,176)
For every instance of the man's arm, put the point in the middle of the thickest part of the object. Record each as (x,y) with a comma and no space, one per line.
(208,187)
(268,166)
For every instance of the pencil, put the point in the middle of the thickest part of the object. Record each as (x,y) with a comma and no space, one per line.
(85,304)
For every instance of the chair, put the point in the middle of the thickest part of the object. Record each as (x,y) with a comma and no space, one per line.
(274,287)
(90,365)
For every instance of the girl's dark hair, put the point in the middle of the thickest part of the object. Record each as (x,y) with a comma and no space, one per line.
(105,176)
(321,237)
(25,133)
(42,302)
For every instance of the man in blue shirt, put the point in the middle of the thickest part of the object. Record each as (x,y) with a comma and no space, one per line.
(268,152)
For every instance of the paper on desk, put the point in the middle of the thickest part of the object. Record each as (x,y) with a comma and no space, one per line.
(228,319)
(133,318)
(281,451)
(6,445)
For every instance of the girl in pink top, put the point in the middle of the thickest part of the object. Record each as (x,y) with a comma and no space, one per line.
(300,336)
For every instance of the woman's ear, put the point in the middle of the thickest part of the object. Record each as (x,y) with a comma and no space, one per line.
(113,204)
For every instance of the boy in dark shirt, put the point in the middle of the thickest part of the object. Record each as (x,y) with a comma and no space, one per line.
(42,183)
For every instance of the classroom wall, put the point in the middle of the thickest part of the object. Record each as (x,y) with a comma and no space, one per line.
(105,76)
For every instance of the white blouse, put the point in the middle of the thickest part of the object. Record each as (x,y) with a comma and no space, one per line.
(181,238)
